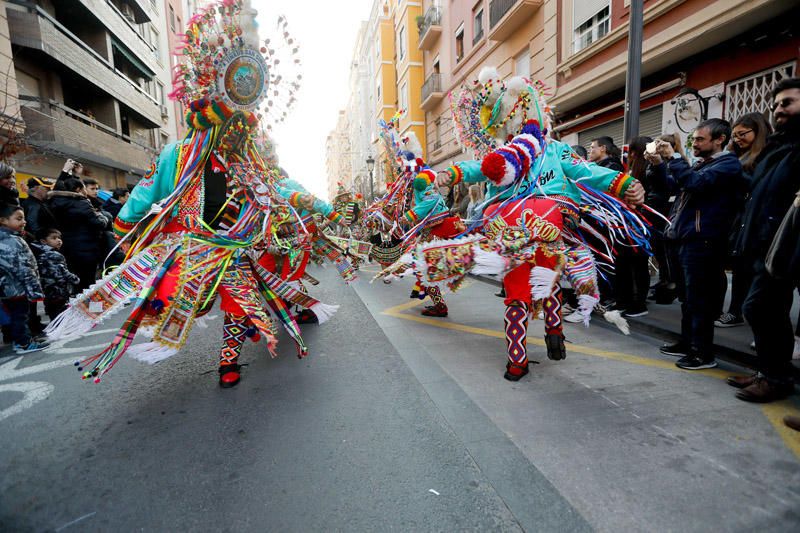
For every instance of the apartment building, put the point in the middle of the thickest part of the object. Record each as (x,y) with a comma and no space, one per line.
(337,156)
(92,78)
(700,58)
(457,39)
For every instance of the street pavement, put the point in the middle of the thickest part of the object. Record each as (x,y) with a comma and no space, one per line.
(394,422)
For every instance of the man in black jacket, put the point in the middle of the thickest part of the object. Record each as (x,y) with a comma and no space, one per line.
(37,213)
(776,179)
(710,193)
(605,153)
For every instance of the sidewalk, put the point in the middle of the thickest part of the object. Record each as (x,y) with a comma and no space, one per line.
(664,322)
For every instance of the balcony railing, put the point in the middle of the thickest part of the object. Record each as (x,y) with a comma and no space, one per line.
(506,16)
(498,9)
(433,17)
(52,126)
(432,85)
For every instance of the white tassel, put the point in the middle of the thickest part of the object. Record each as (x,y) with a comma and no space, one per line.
(542,282)
(323,311)
(202,321)
(151,352)
(71,323)
(487,262)
(615,317)
(586,304)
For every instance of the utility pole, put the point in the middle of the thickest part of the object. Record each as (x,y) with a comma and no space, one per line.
(633,79)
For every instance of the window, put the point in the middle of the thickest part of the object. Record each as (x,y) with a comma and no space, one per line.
(436,68)
(437,134)
(404,98)
(460,43)
(752,94)
(160,96)
(522,64)
(401,43)
(590,26)
(477,25)
(155,42)
(171,18)
(180,27)
(378,90)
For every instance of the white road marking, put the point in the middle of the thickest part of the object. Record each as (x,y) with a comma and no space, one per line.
(9,369)
(34,392)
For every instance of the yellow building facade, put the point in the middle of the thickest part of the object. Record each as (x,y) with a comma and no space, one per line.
(399,69)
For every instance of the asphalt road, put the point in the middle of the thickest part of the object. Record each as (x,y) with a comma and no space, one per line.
(394,422)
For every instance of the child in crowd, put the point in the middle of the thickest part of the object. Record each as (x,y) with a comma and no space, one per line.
(19,279)
(58,283)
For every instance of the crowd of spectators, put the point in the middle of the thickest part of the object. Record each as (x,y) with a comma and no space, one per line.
(53,245)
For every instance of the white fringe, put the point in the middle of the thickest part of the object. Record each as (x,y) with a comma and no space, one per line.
(586,304)
(542,282)
(489,262)
(71,323)
(615,317)
(323,311)
(151,352)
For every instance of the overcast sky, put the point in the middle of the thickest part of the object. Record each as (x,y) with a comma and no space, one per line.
(326,31)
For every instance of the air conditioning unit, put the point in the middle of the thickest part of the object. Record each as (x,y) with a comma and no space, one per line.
(164,111)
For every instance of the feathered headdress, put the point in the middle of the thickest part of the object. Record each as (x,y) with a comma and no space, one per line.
(225,67)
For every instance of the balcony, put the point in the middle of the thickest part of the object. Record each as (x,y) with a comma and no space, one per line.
(505,16)
(35,29)
(430,28)
(432,91)
(54,128)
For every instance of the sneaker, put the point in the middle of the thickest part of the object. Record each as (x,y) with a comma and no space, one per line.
(695,362)
(635,312)
(678,349)
(728,320)
(32,346)
(574,318)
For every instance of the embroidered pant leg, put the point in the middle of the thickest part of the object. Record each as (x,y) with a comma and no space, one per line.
(234,332)
(436,295)
(552,313)
(516,321)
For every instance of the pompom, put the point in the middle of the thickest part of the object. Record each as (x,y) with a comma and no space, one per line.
(486,74)
(424,179)
(516,85)
(493,167)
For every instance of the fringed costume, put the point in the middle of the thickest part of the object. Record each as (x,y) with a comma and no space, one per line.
(211,217)
(531,229)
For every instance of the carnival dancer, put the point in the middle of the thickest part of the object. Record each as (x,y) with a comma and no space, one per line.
(413,210)
(199,223)
(536,189)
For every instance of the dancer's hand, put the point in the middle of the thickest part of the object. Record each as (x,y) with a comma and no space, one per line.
(634,196)
(442,179)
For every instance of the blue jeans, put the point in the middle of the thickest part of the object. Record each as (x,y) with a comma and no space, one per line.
(18,310)
(703,267)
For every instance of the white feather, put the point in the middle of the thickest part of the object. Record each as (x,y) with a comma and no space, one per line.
(488,73)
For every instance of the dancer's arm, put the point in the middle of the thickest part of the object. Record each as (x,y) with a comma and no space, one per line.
(156,185)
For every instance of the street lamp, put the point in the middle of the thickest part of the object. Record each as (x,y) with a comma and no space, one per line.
(370,168)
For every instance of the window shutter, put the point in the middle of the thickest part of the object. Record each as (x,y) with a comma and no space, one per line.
(583,10)
(649,125)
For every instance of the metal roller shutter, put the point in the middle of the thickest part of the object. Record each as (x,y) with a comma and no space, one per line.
(649,125)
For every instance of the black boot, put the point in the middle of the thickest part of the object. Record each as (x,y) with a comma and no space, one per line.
(556,350)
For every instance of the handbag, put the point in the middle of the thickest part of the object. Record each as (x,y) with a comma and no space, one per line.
(783,257)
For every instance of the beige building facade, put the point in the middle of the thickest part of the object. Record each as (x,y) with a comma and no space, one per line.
(460,38)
